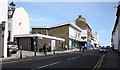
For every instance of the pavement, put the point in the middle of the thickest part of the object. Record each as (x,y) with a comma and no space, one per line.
(30,54)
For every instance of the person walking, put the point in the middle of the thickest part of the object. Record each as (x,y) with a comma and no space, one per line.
(44,49)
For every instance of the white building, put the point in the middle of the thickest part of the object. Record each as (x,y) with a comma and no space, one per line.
(68,31)
(116,31)
(20,22)
(3,35)
(74,35)
(96,40)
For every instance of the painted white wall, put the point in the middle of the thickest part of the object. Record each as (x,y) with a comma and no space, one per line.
(115,39)
(53,45)
(74,34)
(3,17)
(96,39)
(119,34)
(21,23)
(84,34)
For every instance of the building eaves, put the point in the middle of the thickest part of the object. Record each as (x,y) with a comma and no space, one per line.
(39,36)
(58,25)
(40,27)
(117,19)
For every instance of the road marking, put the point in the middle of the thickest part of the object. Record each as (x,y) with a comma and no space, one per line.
(68,59)
(73,58)
(46,65)
(99,63)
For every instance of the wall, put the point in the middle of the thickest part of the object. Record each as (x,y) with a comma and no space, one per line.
(119,34)
(74,37)
(60,32)
(40,31)
(21,23)
(73,33)
(115,39)
(3,17)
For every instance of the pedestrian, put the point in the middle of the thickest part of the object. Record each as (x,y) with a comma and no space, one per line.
(82,48)
(65,48)
(44,48)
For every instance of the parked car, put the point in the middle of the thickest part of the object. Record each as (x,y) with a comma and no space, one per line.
(12,46)
(102,49)
(108,48)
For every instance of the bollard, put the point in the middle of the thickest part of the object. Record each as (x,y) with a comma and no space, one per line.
(54,52)
(20,52)
(45,52)
(35,51)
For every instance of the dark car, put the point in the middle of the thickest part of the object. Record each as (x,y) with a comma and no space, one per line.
(108,48)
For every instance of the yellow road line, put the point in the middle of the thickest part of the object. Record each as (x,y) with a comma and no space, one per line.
(96,67)
(100,62)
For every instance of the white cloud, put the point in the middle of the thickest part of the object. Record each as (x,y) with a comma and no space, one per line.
(41,19)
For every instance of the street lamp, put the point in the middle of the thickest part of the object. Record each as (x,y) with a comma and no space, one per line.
(11,10)
(2,28)
(3,25)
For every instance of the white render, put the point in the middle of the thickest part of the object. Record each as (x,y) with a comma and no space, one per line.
(119,34)
(40,36)
(115,38)
(96,39)
(3,17)
(20,22)
(74,34)
(84,34)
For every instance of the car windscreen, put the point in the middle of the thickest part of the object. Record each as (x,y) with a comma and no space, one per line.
(12,43)
(102,47)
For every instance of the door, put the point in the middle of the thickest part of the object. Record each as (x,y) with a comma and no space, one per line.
(53,45)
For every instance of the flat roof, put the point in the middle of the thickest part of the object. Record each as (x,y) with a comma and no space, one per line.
(58,25)
(39,36)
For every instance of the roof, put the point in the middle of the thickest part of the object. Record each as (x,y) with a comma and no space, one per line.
(39,27)
(81,18)
(58,25)
(117,19)
(39,36)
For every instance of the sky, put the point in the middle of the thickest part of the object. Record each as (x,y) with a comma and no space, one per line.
(100,15)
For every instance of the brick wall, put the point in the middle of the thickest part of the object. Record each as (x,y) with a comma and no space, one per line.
(61,32)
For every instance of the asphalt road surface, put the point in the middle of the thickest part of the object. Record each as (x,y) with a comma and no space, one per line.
(90,59)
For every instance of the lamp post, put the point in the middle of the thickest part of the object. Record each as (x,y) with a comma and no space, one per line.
(2,28)
(35,45)
(11,10)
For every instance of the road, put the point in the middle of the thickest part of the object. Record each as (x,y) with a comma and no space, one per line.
(90,59)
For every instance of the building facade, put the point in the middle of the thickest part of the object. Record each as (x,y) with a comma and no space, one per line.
(20,23)
(95,40)
(29,41)
(4,32)
(86,35)
(116,31)
(68,31)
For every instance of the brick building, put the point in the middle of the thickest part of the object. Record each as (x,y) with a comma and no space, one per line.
(86,35)
(68,31)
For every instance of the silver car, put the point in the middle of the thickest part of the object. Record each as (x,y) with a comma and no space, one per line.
(12,46)
(102,49)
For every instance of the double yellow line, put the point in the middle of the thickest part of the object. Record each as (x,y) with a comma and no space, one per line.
(97,66)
